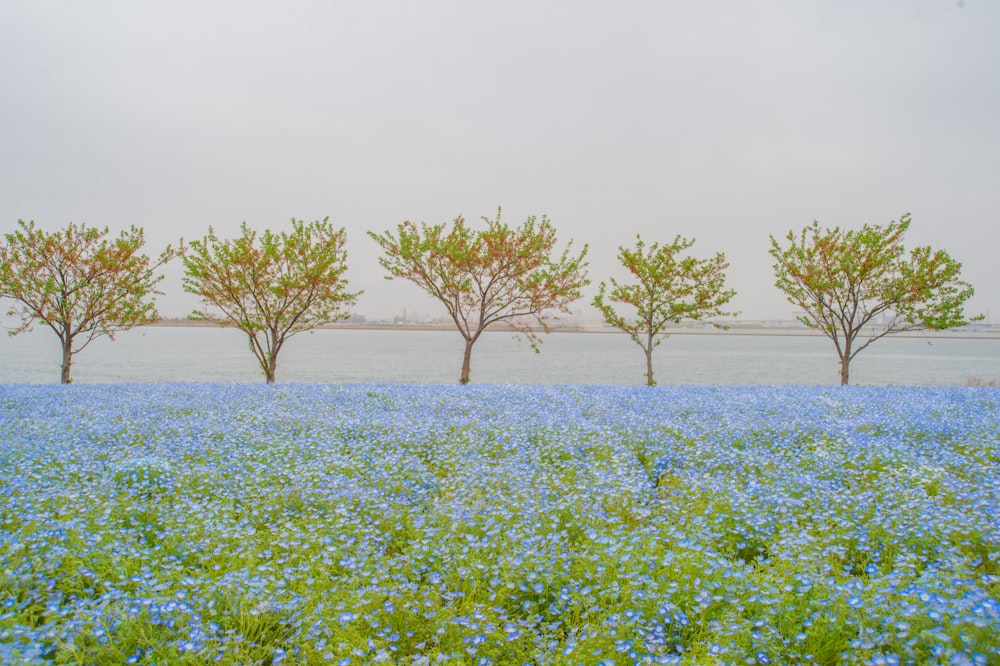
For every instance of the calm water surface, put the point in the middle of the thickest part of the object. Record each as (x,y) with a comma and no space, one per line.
(183,354)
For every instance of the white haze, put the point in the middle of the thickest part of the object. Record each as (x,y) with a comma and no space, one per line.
(727,121)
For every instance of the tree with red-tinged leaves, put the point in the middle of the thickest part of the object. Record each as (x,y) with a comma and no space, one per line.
(79,283)
(272,285)
(858,286)
(487,276)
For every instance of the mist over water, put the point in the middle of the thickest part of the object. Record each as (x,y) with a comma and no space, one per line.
(183,354)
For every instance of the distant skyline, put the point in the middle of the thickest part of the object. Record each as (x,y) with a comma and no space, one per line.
(723,121)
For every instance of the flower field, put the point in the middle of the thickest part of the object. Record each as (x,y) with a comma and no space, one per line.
(418,524)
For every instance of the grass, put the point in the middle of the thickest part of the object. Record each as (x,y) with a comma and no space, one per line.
(299,524)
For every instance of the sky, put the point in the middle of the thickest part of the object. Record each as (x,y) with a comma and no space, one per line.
(720,120)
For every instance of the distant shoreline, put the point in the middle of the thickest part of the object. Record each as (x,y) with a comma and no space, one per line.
(681,330)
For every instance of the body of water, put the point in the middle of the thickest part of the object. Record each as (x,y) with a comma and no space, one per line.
(205,354)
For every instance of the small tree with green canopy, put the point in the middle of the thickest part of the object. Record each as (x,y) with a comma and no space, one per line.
(79,283)
(273,285)
(487,276)
(857,286)
(668,287)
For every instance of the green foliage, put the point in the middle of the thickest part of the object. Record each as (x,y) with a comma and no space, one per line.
(79,283)
(487,276)
(668,288)
(857,286)
(272,285)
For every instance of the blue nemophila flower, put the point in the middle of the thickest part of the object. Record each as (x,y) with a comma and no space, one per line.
(406,522)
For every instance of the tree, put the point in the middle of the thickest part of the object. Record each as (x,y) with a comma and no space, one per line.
(79,283)
(859,286)
(669,288)
(497,274)
(271,286)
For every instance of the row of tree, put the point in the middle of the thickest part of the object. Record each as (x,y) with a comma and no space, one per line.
(83,284)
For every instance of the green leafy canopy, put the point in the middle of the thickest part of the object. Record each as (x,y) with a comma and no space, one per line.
(79,282)
(666,287)
(271,285)
(862,284)
(486,276)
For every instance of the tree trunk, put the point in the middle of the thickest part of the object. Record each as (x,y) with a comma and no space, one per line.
(845,367)
(466,361)
(270,368)
(649,366)
(67,362)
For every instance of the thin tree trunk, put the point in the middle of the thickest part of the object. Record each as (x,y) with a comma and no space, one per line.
(466,361)
(67,362)
(845,360)
(650,335)
(270,368)
(649,367)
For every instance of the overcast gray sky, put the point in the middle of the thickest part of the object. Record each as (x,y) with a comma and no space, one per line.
(726,121)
